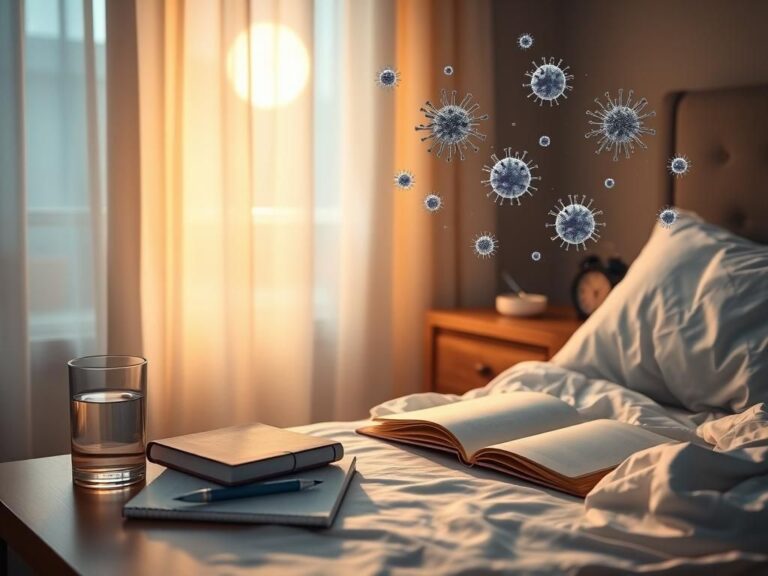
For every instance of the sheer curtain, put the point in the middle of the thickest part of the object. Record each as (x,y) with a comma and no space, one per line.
(210,184)
(52,213)
(283,277)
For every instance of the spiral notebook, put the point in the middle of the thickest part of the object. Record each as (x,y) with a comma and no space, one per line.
(316,506)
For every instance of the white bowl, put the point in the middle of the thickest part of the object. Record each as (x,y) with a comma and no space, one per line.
(511,304)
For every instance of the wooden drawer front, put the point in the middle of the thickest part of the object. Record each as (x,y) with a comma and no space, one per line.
(464,361)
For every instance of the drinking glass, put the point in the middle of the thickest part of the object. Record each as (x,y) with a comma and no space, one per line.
(108,413)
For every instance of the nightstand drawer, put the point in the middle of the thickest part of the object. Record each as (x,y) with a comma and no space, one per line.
(465,361)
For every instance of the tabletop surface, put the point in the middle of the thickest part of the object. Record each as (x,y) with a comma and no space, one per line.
(60,528)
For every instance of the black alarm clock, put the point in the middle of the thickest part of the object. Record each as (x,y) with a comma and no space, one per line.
(593,283)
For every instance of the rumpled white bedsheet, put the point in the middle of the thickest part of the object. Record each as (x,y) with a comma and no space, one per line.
(687,499)
(703,496)
(675,509)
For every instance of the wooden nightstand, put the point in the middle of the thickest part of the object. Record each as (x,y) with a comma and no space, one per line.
(467,348)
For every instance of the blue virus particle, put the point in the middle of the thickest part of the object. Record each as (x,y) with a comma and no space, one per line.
(405,180)
(452,126)
(667,217)
(544,141)
(448,70)
(548,81)
(619,125)
(485,244)
(575,222)
(388,78)
(525,41)
(679,166)
(433,202)
(609,183)
(535,256)
(510,177)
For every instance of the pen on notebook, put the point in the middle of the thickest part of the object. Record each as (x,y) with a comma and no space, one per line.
(247,491)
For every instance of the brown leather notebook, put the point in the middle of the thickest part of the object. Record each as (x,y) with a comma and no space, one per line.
(242,454)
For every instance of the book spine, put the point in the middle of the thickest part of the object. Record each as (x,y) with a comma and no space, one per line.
(149,453)
(317,457)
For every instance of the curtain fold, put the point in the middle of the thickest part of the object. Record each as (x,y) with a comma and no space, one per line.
(15,390)
(433,261)
(123,266)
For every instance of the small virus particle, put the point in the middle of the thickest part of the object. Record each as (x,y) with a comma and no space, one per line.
(485,244)
(405,180)
(510,177)
(548,81)
(619,125)
(388,78)
(433,202)
(679,166)
(448,70)
(575,222)
(452,125)
(535,256)
(544,141)
(609,183)
(667,217)
(525,41)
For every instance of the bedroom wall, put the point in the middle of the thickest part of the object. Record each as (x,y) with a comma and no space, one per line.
(658,48)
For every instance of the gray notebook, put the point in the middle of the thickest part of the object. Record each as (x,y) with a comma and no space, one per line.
(313,507)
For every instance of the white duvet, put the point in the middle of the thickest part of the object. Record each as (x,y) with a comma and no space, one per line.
(682,508)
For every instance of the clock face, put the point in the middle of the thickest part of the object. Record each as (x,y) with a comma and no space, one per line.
(593,287)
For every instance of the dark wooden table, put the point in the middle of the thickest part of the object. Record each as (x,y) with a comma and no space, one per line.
(58,528)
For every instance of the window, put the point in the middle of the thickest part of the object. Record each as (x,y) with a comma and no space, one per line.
(64,130)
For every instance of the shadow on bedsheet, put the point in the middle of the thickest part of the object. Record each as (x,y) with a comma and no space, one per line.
(251,545)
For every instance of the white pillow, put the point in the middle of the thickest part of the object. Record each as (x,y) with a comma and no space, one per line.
(688,325)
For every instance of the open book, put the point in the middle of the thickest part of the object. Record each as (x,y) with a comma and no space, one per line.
(531,435)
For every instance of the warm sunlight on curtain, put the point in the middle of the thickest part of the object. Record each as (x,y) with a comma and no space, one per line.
(282,277)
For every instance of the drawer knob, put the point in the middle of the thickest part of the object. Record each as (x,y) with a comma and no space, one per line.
(483,369)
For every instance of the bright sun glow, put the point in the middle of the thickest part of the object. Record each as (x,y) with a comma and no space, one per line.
(279,65)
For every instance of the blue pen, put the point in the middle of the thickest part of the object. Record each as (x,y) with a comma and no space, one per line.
(248,490)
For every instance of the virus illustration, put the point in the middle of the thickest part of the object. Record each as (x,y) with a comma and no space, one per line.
(545,141)
(667,217)
(679,166)
(535,256)
(548,81)
(405,180)
(452,125)
(525,41)
(433,202)
(388,78)
(575,223)
(619,124)
(609,183)
(448,70)
(510,177)
(485,244)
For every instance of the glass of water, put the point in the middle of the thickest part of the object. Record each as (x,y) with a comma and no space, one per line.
(107,412)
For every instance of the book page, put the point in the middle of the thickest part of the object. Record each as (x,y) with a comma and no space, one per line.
(496,418)
(584,448)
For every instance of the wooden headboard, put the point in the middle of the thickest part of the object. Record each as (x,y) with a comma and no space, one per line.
(725,135)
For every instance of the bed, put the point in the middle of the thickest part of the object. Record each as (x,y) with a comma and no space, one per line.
(690,510)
